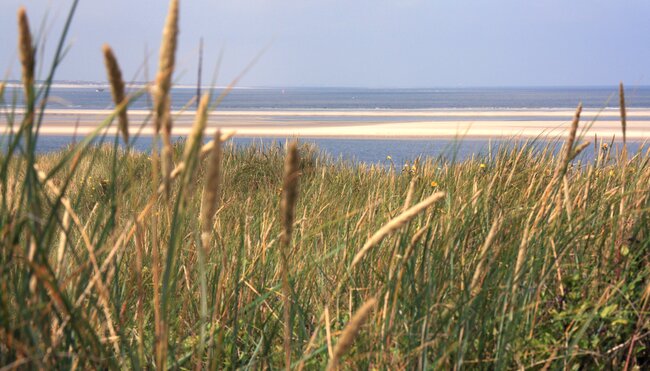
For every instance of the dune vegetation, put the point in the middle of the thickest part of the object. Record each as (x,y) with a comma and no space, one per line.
(201,254)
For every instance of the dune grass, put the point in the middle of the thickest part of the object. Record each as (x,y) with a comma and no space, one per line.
(254,259)
(479,278)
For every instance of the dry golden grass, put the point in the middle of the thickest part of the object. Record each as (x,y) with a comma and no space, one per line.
(117,89)
(350,333)
(162,108)
(287,215)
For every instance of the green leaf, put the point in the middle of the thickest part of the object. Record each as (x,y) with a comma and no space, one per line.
(608,310)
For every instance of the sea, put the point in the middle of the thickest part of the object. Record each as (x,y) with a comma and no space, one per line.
(80,96)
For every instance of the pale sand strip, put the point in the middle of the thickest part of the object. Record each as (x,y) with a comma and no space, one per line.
(398,130)
(393,124)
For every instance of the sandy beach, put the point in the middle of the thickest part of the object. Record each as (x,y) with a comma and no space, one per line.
(397,124)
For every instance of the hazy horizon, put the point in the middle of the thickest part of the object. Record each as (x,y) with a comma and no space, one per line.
(364,44)
(205,84)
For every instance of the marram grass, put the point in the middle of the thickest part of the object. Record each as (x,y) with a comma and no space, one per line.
(463,293)
(516,259)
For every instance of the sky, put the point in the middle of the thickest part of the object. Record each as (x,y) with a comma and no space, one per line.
(353,43)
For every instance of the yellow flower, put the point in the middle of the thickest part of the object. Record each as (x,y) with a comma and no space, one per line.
(434,183)
(482,166)
(625,250)
(611,173)
(389,157)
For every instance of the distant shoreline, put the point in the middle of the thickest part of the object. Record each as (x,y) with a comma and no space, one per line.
(139,84)
(370,124)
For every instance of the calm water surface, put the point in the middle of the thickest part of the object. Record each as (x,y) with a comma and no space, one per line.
(99,97)
(369,151)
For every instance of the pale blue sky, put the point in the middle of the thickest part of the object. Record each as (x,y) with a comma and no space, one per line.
(370,43)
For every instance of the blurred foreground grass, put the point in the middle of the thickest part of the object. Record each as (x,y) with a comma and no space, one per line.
(495,274)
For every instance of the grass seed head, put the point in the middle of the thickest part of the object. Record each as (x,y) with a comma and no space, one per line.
(350,332)
(195,138)
(287,213)
(289,191)
(211,190)
(568,149)
(117,88)
(166,64)
(396,223)
(579,150)
(410,193)
(162,100)
(621,96)
(27,53)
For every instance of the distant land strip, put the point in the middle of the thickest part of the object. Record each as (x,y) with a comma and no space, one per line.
(403,124)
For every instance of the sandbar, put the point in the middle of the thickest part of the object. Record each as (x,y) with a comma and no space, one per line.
(380,124)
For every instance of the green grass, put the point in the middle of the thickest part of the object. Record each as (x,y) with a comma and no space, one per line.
(580,298)
(524,263)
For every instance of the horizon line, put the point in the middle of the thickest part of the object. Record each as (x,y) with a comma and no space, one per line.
(96,83)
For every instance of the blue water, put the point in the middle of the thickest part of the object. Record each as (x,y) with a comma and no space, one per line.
(87,97)
(366,150)
(357,150)
(371,151)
